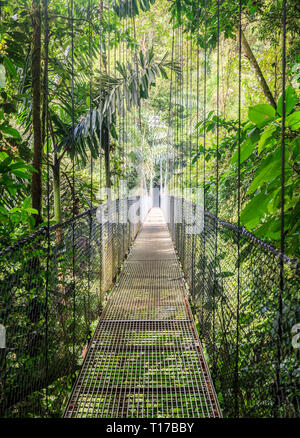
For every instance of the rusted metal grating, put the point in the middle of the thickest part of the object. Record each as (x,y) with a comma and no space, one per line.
(145,358)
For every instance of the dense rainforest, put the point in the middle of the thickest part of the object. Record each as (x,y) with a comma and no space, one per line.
(178,95)
(23,137)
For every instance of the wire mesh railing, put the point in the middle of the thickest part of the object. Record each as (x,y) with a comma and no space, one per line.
(52,288)
(249,347)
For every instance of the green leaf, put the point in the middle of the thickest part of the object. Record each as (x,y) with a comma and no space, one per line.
(247,147)
(14,210)
(268,170)
(261,114)
(266,135)
(225,274)
(290,101)
(10,131)
(31,210)
(293,120)
(266,174)
(254,135)
(255,209)
(10,67)
(21,174)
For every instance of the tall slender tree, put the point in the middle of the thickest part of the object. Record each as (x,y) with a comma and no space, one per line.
(36,187)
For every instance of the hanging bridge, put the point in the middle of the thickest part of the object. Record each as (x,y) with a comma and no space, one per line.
(145,358)
(177,313)
(140,354)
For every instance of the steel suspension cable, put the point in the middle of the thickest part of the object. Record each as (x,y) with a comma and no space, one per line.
(191,109)
(73,171)
(196,150)
(46,91)
(89,16)
(188,110)
(204,158)
(169,115)
(217,181)
(182,106)
(236,377)
(122,138)
(177,119)
(282,208)
(100,134)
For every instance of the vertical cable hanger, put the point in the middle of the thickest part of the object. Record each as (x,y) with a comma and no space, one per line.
(122,142)
(197,142)
(100,133)
(168,161)
(89,12)
(177,113)
(117,202)
(192,240)
(188,161)
(204,156)
(182,105)
(282,213)
(73,170)
(126,121)
(217,179)
(236,380)
(187,104)
(177,94)
(184,124)
(89,17)
(191,108)
(46,91)
(180,127)
(139,103)
(178,109)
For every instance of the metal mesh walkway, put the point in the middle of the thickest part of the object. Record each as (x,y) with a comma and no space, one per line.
(145,358)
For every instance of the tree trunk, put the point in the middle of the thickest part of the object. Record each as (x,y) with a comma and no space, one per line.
(105,145)
(36,185)
(56,189)
(250,56)
(103,57)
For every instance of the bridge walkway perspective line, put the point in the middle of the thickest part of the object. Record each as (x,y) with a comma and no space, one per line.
(145,359)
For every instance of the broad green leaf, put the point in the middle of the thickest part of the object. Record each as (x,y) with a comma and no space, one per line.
(254,135)
(295,214)
(255,209)
(266,174)
(268,170)
(293,120)
(31,210)
(18,165)
(261,114)
(3,155)
(5,163)
(290,101)
(264,137)
(247,147)
(10,131)
(21,174)
(10,67)
(14,210)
